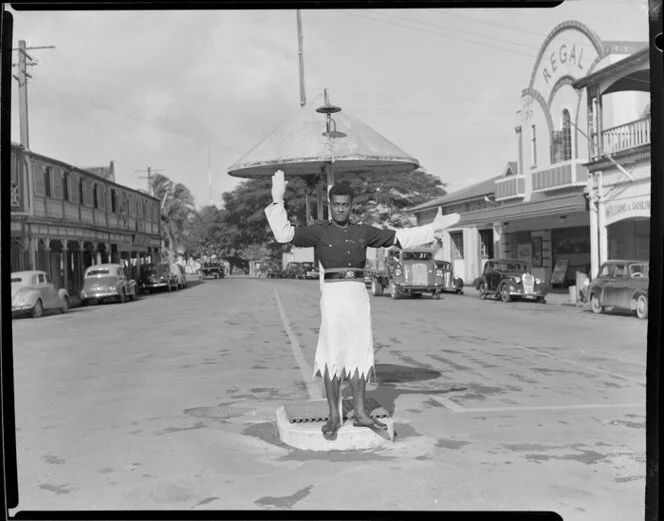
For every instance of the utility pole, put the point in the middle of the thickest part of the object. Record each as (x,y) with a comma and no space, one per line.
(303,99)
(210,202)
(22,79)
(149,171)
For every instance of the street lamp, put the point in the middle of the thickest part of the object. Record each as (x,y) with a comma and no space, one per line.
(330,132)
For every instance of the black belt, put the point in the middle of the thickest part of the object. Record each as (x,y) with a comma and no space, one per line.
(349,274)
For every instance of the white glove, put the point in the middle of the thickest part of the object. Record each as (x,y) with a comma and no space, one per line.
(278,187)
(441,222)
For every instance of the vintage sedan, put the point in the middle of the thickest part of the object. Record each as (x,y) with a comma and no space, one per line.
(33,293)
(621,284)
(157,277)
(310,270)
(508,279)
(450,282)
(103,282)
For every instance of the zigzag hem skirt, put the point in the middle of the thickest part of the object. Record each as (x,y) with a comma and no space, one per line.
(345,339)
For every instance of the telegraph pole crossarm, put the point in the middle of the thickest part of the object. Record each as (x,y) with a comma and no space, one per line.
(149,171)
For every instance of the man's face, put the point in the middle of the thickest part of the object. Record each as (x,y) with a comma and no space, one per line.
(340,206)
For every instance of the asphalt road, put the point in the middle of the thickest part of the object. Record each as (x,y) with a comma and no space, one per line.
(168,403)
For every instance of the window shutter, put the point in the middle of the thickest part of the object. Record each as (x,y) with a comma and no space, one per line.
(57,183)
(101,196)
(73,189)
(39,180)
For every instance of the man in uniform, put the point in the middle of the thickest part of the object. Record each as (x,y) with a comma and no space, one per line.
(345,340)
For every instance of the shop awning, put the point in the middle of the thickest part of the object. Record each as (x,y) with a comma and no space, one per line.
(553,206)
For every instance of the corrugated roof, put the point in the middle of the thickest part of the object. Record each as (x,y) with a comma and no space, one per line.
(301,147)
(471,192)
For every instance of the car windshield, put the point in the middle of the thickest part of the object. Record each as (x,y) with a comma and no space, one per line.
(148,269)
(514,267)
(443,264)
(639,270)
(16,279)
(308,265)
(97,272)
(417,255)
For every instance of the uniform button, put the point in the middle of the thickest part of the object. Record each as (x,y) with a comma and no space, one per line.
(349,263)
(348,252)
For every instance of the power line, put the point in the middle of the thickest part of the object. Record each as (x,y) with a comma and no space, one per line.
(455,38)
(492,39)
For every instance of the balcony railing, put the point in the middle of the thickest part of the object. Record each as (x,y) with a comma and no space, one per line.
(625,137)
(560,175)
(510,187)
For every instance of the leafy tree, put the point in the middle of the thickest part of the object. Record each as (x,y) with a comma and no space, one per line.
(176,208)
(382,199)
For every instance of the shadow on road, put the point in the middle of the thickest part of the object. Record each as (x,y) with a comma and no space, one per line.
(390,378)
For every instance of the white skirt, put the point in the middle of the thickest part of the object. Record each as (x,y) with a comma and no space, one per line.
(345,339)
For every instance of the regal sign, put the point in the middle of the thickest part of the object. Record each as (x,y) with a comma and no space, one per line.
(559,58)
(569,52)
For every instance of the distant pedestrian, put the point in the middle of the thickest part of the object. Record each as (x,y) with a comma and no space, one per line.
(345,341)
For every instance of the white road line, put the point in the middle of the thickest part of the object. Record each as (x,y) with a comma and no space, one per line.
(581,366)
(449,404)
(312,388)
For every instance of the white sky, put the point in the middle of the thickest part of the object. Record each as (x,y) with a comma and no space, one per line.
(155,87)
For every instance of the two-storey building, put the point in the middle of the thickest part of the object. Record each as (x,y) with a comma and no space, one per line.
(619,164)
(541,211)
(64,219)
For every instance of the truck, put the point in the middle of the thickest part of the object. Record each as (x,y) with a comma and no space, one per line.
(408,272)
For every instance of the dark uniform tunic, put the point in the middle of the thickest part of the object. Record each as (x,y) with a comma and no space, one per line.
(338,247)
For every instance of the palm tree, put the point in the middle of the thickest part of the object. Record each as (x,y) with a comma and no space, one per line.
(177,203)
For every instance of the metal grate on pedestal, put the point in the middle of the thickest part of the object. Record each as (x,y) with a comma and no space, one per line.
(311,412)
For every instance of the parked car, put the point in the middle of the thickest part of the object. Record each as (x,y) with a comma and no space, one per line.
(156,277)
(274,271)
(180,276)
(294,270)
(408,272)
(212,269)
(621,284)
(310,270)
(33,293)
(450,282)
(103,282)
(510,278)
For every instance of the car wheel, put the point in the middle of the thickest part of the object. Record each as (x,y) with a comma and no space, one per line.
(482,291)
(376,288)
(65,305)
(85,302)
(416,295)
(595,305)
(642,307)
(38,310)
(505,294)
(541,300)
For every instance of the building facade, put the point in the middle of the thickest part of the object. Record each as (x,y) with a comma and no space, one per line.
(541,207)
(619,164)
(64,219)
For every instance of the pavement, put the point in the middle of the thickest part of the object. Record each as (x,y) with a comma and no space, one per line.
(496,406)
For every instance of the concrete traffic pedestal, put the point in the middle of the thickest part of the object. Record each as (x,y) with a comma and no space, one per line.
(299,426)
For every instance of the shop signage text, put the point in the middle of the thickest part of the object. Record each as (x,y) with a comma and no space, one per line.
(565,55)
(637,205)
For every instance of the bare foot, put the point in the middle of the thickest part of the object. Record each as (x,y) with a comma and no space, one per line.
(330,428)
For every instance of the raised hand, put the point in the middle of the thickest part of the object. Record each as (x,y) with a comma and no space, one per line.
(441,222)
(278,186)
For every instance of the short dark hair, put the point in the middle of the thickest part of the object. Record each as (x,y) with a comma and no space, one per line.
(341,189)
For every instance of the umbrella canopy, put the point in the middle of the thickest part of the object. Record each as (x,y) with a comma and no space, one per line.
(302,147)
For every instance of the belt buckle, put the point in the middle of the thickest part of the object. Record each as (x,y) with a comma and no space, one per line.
(350,274)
